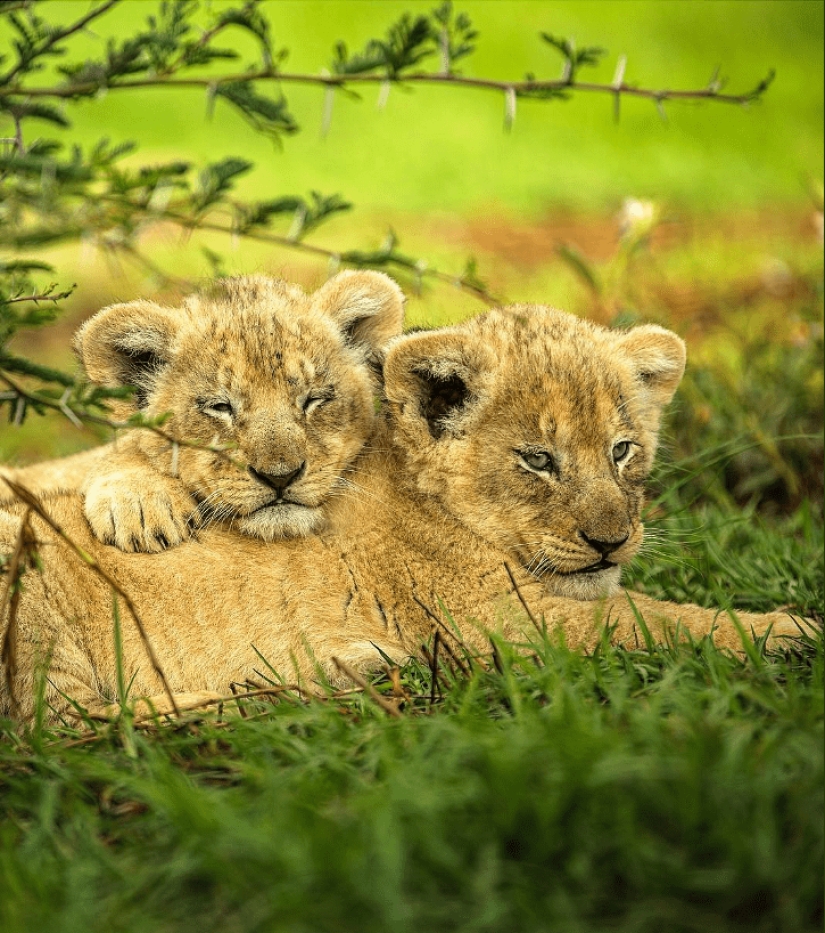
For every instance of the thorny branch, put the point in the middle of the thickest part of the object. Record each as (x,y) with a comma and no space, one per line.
(526,88)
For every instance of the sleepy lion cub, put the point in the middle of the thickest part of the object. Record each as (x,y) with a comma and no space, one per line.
(285,382)
(519,439)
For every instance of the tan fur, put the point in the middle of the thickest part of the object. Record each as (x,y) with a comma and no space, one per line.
(298,373)
(65,474)
(442,499)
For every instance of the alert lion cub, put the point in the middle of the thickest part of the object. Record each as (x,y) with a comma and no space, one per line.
(283,382)
(520,439)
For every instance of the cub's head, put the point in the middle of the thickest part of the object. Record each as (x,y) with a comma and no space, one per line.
(537,430)
(286,381)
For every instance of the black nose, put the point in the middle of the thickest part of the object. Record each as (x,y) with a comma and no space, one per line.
(278,481)
(603,547)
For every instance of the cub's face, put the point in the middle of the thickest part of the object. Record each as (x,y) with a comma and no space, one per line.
(537,431)
(282,384)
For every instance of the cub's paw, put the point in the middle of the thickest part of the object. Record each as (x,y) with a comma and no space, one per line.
(779,624)
(139,511)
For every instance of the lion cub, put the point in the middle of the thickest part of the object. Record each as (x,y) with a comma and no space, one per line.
(507,463)
(282,382)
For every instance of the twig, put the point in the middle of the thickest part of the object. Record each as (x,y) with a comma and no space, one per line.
(496,657)
(58,296)
(212,701)
(385,705)
(434,666)
(31,500)
(73,416)
(446,644)
(521,599)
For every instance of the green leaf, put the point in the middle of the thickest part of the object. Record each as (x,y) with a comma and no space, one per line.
(17,364)
(37,110)
(217,179)
(267,115)
(574,58)
(250,18)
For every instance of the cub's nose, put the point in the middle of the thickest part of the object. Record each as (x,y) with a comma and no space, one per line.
(278,481)
(603,547)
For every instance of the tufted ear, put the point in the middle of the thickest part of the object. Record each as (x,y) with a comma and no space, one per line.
(127,344)
(431,381)
(368,306)
(658,358)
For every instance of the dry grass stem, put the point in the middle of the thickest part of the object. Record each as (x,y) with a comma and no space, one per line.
(441,626)
(521,599)
(390,708)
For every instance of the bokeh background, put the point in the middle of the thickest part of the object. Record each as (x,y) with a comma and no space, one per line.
(729,252)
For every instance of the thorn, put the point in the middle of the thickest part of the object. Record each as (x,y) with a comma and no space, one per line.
(618,82)
(67,411)
(326,114)
(509,108)
(661,108)
(420,269)
(383,95)
(211,93)
(297,224)
(618,77)
(444,49)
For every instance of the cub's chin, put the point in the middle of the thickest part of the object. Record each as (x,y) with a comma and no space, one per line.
(285,520)
(585,585)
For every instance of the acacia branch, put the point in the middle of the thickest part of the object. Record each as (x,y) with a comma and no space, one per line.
(524,88)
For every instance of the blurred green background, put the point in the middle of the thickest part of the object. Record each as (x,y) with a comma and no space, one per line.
(734,263)
(442,149)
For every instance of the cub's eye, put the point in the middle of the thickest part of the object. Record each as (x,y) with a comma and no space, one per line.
(315,400)
(620,451)
(537,459)
(218,408)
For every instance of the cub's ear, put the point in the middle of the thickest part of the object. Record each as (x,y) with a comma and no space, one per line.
(431,383)
(368,306)
(658,358)
(127,344)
